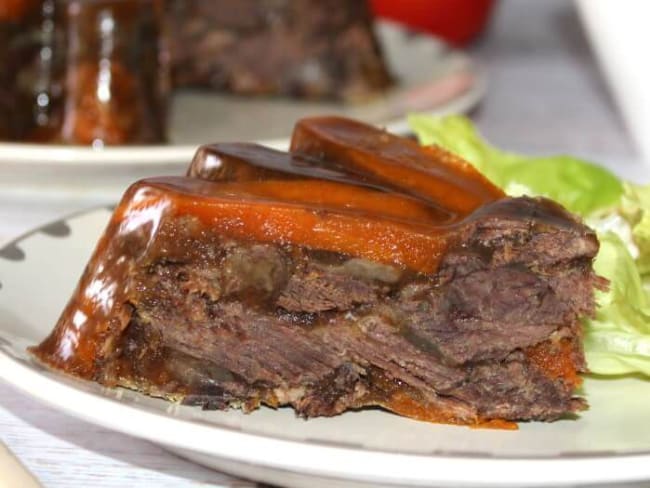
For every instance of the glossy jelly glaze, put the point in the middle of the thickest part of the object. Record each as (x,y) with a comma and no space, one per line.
(431,173)
(84,72)
(343,198)
(248,162)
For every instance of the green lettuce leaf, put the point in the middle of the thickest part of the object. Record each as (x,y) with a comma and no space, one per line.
(617,340)
(580,186)
(458,135)
(635,208)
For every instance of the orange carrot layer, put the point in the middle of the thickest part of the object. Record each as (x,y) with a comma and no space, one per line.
(337,196)
(249,213)
(430,173)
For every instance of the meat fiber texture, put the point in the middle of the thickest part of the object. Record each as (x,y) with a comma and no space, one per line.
(202,312)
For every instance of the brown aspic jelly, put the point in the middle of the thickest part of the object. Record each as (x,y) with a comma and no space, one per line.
(34,67)
(5,93)
(115,77)
(89,72)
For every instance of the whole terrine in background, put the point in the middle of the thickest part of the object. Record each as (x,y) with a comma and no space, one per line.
(96,72)
(302,48)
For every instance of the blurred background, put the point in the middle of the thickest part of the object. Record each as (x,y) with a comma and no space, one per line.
(549,85)
(536,76)
(97,94)
(546,92)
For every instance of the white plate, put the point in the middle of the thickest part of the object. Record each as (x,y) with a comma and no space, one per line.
(610,442)
(433,78)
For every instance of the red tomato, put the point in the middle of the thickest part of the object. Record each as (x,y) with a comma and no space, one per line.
(457,21)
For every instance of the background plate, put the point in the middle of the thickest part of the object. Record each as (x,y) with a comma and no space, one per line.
(610,442)
(432,78)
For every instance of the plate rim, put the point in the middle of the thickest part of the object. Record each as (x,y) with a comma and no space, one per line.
(344,462)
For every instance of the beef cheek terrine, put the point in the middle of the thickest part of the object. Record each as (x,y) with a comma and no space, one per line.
(319,280)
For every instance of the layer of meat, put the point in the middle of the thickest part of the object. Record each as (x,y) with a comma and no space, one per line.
(223,323)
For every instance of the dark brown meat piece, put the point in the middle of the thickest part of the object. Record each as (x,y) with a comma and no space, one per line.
(311,49)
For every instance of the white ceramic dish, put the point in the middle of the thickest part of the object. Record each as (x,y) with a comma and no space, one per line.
(618,33)
(432,78)
(608,443)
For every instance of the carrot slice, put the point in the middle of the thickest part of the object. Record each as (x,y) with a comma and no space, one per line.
(340,197)
(556,360)
(243,161)
(260,212)
(428,172)
(276,173)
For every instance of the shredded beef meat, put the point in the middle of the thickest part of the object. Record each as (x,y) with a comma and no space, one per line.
(244,324)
